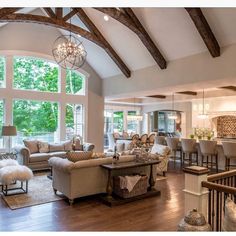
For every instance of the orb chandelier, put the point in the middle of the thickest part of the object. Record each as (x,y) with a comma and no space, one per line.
(203,115)
(69,52)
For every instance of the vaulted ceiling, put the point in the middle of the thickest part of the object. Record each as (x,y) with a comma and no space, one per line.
(137,38)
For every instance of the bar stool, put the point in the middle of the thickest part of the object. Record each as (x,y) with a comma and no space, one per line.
(229,152)
(208,150)
(160,140)
(173,144)
(189,148)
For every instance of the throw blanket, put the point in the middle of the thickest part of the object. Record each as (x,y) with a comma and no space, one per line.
(128,182)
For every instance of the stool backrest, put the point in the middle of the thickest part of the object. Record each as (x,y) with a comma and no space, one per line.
(172,143)
(143,138)
(151,138)
(160,140)
(188,145)
(208,147)
(229,149)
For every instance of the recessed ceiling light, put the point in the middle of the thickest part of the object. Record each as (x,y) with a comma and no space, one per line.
(106,17)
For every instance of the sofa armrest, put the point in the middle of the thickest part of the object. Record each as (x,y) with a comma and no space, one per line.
(23,154)
(88,147)
(61,164)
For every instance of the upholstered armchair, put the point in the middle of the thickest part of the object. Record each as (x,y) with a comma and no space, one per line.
(164,152)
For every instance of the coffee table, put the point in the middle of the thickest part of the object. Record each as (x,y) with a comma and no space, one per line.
(110,199)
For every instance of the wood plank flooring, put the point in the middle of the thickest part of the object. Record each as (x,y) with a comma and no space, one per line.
(161,213)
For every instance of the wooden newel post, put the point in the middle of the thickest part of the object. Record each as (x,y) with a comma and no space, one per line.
(195,195)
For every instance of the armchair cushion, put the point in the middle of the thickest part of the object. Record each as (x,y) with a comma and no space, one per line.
(55,147)
(43,147)
(32,145)
(87,147)
(68,145)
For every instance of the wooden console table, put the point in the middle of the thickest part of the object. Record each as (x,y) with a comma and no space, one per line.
(110,199)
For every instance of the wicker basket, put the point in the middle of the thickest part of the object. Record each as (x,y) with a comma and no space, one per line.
(139,188)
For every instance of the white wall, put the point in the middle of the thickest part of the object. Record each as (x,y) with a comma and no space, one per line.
(35,39)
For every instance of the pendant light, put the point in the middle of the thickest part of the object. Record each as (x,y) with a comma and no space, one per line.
(203,115)
(173,115)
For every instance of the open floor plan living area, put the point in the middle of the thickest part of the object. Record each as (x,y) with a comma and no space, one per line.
(117,117)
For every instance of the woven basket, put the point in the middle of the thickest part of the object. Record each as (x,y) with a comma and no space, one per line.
(139,188)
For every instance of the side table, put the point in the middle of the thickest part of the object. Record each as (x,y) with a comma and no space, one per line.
(8,155)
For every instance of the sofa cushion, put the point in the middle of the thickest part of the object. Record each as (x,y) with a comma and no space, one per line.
(77,145)
(68,145)
(38,157)
(32,145)
(79,156)
(57,154)
(43,147)
(160,149)
(55,147)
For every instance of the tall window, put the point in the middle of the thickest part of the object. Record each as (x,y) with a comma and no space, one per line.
(35,120)
(118,119)
(108,127)
(75,83)
(74,120)
(2,72)
(132,125)
(1,121)
(35,74)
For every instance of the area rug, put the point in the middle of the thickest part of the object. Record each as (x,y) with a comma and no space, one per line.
(40,191)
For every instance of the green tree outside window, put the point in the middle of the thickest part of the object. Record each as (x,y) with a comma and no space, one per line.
(2,71)
(75,83)
(35,74)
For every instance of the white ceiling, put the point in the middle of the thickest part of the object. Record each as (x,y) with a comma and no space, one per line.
(171,29)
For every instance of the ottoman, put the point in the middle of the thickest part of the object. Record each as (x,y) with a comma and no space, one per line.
(12,174)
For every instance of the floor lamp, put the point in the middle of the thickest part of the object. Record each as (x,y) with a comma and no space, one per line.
(9,131)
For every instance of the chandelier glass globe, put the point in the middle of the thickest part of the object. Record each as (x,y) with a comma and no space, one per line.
(69,52)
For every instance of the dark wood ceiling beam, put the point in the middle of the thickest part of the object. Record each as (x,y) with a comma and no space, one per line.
(230,87)
(188,93)
(157,96)
(69,15)
(59,23)
(50,12)
(127,17)
(204,30)
(59,12)
(107,47)
(6,11)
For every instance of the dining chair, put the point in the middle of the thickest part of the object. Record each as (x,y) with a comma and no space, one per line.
(189,149)
(160,140)
(174,145)
(209,153)
(125,134)
(143,139)
(229,149)
(151,139)
(116,135)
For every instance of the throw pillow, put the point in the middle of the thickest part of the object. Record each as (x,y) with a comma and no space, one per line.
(68,145)
(229,222)
(79,156)
(120,147)
(77,145)
(32,145)
(43,147)
(98,155)
(160,149)
(56,147)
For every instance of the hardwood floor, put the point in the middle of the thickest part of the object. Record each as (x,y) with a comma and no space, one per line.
(162,213)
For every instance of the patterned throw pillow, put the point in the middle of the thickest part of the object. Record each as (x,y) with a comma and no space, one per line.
(32,145)
(43,147)
(79,156)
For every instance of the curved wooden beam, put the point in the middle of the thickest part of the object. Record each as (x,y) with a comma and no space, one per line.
(59,23)
(127,17)
(6,11)
(107,47)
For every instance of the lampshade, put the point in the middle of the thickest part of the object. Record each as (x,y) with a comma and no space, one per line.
(9,130)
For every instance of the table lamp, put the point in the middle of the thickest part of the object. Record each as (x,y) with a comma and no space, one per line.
(9,131)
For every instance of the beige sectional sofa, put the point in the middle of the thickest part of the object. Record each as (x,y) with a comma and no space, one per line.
(37,159)
(87,177)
